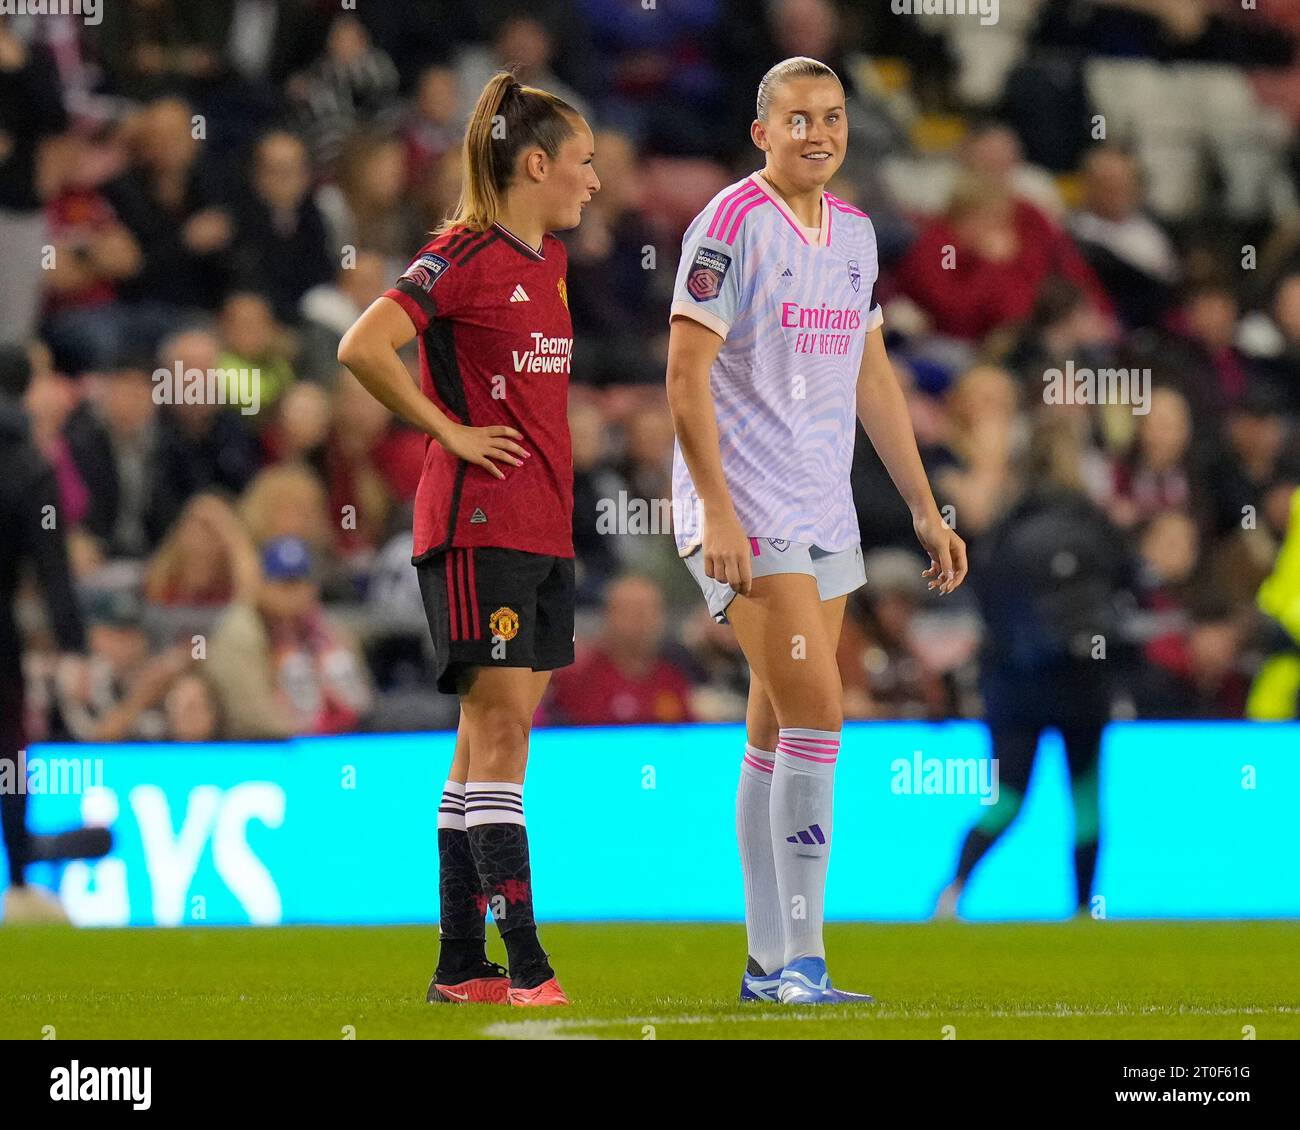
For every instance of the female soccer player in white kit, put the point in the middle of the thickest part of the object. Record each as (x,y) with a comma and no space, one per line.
(775,345)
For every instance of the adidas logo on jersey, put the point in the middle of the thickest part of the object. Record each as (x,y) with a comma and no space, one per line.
(519,294)
(787,273)
(478,517)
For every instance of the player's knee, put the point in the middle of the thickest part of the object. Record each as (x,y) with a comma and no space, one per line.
(499,745)
(498,763)
(760,717)
(812,707)
(810,695)
(763,735)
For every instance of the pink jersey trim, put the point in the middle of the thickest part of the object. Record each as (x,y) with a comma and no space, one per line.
(779,207)
(836,202)
(748,207)
(727,208)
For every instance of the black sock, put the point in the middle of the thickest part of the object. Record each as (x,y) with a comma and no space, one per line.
(459,956)
(1085,867)
(13,816)
(13,766)
(461,934)
(529,965)
(501,857)
(972,851)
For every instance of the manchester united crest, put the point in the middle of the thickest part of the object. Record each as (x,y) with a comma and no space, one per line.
(504,623)
(564,292)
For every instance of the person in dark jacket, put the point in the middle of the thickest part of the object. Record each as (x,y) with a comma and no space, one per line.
(201,446)
(172,200)
(119,445)
(1052,579)
(31,110)
(281,246)
(34,535)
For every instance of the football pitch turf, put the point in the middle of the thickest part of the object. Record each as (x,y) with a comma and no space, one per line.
(1081,979)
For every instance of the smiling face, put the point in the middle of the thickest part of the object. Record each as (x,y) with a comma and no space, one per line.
(806,132)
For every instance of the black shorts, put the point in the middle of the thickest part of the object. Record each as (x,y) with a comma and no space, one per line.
(490,607)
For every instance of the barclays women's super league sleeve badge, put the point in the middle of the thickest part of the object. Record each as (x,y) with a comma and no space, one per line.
(704,281)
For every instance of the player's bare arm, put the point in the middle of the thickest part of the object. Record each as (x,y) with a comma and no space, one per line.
(882,408)
(692,349)
(369,350)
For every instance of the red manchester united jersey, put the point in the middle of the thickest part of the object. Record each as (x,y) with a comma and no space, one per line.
(495,347)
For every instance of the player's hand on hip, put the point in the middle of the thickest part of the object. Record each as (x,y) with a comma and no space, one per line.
(947,552)
(727,556)
(481,446)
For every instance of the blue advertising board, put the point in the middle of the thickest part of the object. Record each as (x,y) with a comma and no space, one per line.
(1199,820)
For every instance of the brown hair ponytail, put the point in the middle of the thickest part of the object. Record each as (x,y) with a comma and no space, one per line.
(507,119)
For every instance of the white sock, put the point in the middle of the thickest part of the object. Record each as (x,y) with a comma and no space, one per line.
(493,802)
(451,809)
(803,786)
(763,924)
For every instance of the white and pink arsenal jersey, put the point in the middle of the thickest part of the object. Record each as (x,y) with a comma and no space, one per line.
(793,307)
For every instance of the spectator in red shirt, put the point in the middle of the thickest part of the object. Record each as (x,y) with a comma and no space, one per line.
(979,268)
(1169,548)
(94,254)
(624,677)
(1157,474)
(432,127)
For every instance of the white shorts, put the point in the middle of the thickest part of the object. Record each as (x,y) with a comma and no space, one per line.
(836,573)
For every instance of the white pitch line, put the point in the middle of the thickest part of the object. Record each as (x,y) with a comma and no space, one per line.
(574,1028)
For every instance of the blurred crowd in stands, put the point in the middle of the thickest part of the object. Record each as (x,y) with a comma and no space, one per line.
(228,184)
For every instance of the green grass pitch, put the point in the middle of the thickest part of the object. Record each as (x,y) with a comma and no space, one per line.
(1073,980)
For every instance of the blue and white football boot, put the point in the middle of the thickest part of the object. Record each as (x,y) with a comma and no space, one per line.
(759,986)
(805,981)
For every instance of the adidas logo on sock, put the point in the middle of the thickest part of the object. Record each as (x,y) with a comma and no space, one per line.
(519,294)
(813,834)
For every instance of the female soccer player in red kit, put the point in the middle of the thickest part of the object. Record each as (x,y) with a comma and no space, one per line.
(494,510)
